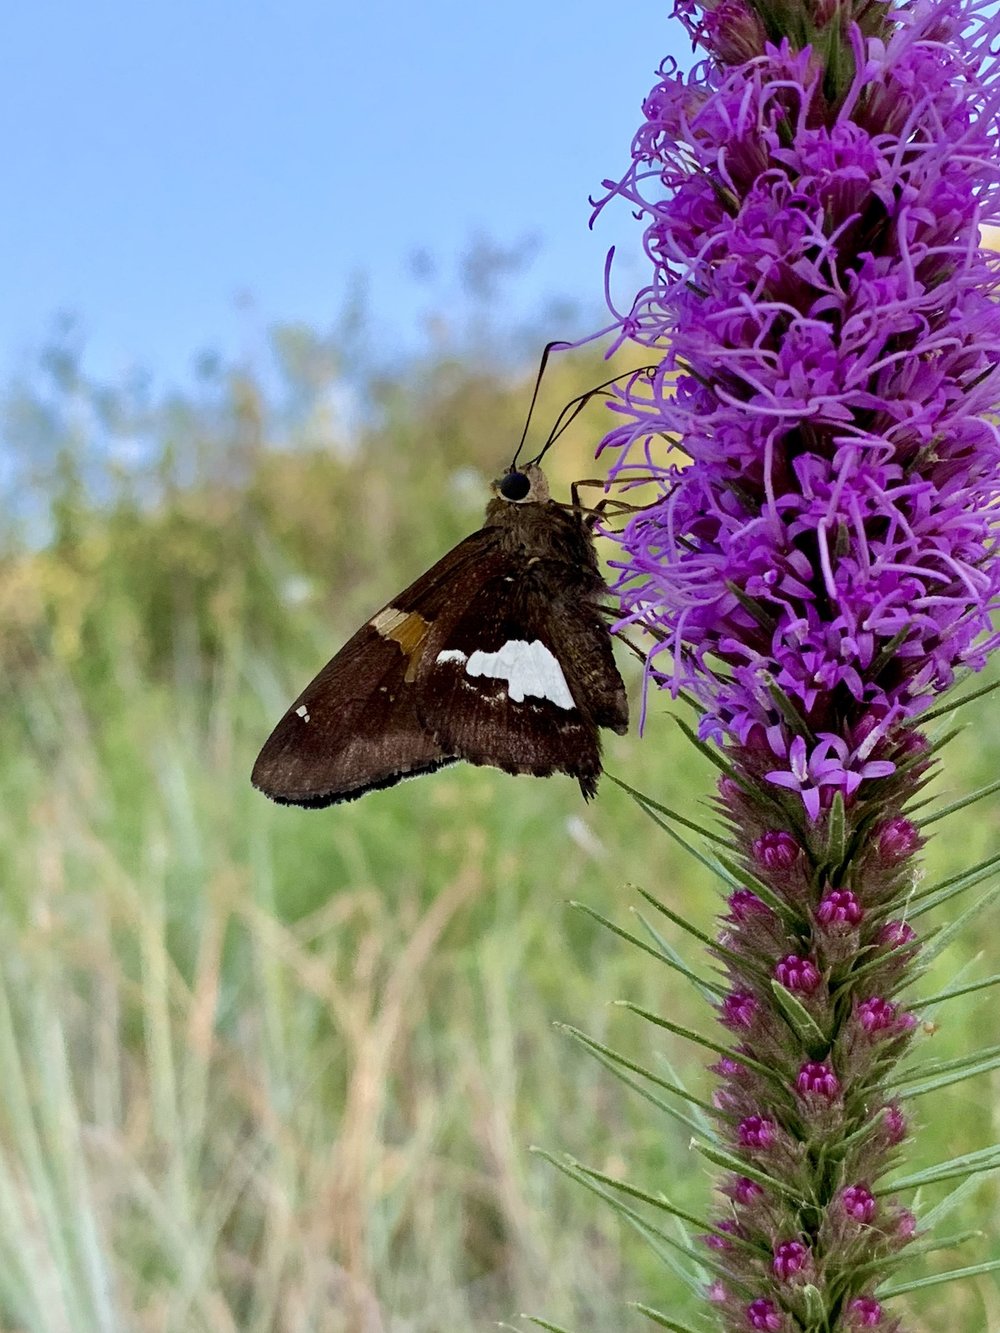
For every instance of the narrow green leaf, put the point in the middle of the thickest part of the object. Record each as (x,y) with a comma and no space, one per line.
(711,754)
(543,1323)
(652,1234)
(981,867)
(697,1039)
(640,944)
(672,1073)
(799,1019)
(836,838)
(660,1319)
(642,799)
(965,1061)
(886,655)
(708,989)
(757,612)
(951,887)
(713,946)
(662,1202)
(961,804)
(983,1159)
(935,1279)
(953,992)
(730,1162)
(947,1080)
(952,1200)
(617,1064)
(789,710)
(923,718)
(742,878)
(689,847)
(886,1263)
(944,937)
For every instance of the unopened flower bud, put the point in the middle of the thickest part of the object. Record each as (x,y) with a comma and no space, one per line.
(815,1079)
(744,906)
(840,907)
(739,1010)
(895,840)
(865,1312)
(745,1191)
(776,850)
(859,1203)
(797,974)
(756,1131)
(764,1314)
(790,1257)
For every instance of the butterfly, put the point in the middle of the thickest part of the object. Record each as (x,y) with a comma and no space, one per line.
(499,655)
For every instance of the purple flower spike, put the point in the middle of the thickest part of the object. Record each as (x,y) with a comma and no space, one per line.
(818,421)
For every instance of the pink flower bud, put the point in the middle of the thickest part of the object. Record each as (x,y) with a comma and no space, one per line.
(876,1014)
(776,850)
(745,1190)
(717,1242)
(895,1124)
(896,840)
(895,934)
(797,974)
(790,1257)
(817,1080)
(840,907)
(739,1010)
(865,1312)
(906,1224)
(744,906)
(764,1314)
(756,1131)
(858,1202)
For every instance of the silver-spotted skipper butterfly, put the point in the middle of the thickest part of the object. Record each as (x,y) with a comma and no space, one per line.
(497,655)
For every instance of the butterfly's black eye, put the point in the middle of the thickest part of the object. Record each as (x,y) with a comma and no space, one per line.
(515,486)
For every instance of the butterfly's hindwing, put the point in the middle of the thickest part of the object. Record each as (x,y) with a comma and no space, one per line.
(355,726)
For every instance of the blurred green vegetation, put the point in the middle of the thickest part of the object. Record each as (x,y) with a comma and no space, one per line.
(270,1069)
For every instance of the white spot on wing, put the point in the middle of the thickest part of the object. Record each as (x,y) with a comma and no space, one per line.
(451,655)
(303,712)
(528,668)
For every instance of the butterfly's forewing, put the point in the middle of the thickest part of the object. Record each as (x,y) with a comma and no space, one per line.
(355,727)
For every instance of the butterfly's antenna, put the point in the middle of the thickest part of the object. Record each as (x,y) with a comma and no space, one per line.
(576,405)
(531,406)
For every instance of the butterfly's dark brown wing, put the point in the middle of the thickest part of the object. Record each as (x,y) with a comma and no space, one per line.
(355,727)
(521,678)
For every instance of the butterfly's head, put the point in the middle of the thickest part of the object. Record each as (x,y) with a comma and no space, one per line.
(521,486)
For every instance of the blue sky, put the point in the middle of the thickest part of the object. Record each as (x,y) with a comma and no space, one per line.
(165,160)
